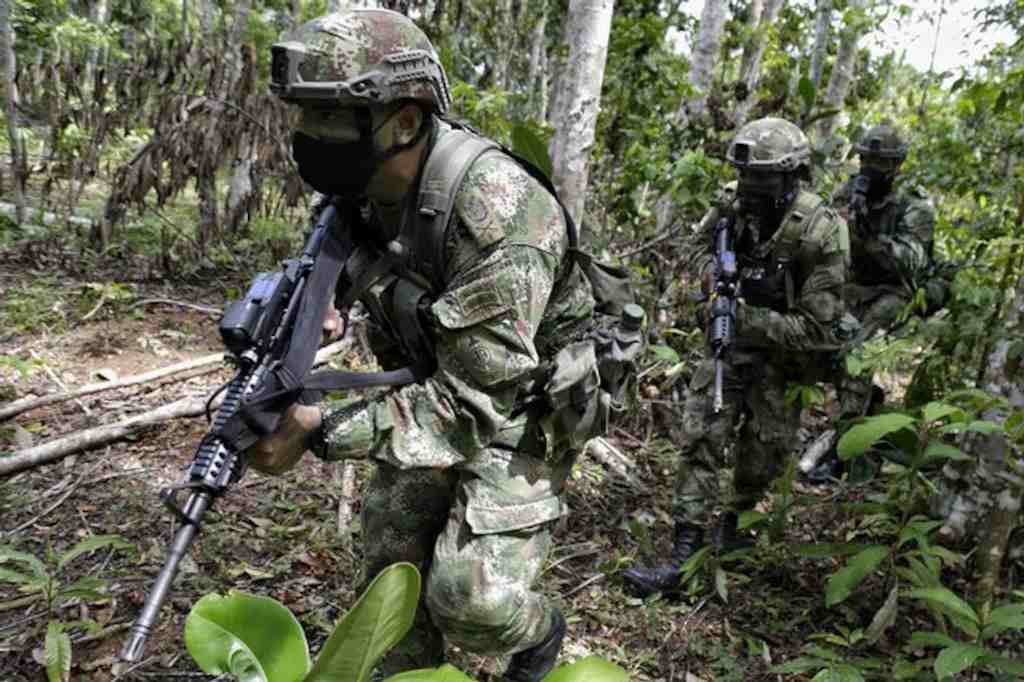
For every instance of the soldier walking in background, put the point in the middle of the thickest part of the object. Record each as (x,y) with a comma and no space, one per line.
(791,256)
(892,256)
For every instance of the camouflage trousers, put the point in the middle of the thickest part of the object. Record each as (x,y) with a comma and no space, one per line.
(879,310)
(479,534)
(755,421)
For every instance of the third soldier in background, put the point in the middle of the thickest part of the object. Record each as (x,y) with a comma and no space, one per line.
(892,247)
(792,255)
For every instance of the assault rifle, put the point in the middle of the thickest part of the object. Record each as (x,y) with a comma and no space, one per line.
(723,304)
(271,336)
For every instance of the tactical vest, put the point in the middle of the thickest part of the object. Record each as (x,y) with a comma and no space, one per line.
(773,274)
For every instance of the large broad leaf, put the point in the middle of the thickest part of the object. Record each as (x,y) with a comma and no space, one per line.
(445,673)
(862,436)
(526,144)
(377,622)
(253,637)
(957,658)
(935,411)
(946,599)
(1006,617)
(58,653)
(923,640)
(843,581)
(91,544)
(11,554)
(590,669)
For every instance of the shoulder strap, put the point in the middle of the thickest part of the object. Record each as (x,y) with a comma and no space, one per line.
(449,161)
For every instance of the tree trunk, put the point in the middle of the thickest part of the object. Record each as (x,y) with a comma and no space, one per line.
(822,33)
(504,32)
(753,51)
(843,68)
(536,76)
(588,28)
(19,164)
(705,54)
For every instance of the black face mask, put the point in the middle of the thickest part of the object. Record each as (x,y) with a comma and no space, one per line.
(766,196)
(344,168)
(879,183)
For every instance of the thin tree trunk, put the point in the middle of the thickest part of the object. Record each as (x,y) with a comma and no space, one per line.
(822,33)
(19,164)
(538,57)
(504,31)
(843,68)
(705,55)
(750,72)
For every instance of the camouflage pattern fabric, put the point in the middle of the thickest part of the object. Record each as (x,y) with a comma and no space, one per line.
(375,44)
(774,348)
(891,255)
(493,484)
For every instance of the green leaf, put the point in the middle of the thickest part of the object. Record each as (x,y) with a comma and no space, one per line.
(10,554)
(9,576)
(721,584)
(935,411)
(843,581)
(446,673)
(884,617)
(799,665)
(1002,664)
(945,599)
(924,640)
(956,659)
(251,636)
(749,518)
(58,653)
(1006,617)
(381,617)
(91,544)
(528,145)
(944,451)
(862,436)
(589,669)
(807,91)
(665,354)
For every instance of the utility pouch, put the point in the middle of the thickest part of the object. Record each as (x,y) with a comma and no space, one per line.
(587,379)
(611,284)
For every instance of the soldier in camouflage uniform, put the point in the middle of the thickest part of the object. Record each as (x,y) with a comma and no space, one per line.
(793,254)
(892,242)
(467,487)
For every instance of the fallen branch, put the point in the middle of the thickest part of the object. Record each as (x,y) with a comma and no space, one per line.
(56,379)
(26,404)
(100,435)
(180,304)
(613,459)
(346,497)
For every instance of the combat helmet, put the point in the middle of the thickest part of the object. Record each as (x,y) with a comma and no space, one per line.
(358,57)
(883,141)
(770,144)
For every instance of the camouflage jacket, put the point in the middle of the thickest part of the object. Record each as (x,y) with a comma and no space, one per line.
(500,314)
(791,286)
(892,245)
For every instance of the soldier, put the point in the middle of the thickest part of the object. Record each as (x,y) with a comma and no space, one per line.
(467,486)
(892,243)
(792,252)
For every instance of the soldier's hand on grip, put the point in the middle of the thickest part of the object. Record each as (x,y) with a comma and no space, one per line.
(281,450)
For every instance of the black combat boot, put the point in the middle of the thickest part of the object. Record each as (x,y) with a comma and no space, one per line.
(726,537)
(534,663)
(664,577)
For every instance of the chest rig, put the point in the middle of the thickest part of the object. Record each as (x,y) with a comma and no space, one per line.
(771,269)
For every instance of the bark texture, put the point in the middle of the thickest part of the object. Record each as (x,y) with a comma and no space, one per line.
(753,51)
(705,55)
(19,165)
(822,33)
(843,68)
(587,31)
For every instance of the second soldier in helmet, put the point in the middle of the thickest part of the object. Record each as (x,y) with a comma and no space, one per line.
(793,254)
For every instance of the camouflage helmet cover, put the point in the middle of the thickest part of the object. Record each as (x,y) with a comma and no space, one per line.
(358,57)
(884,141)
(772,144)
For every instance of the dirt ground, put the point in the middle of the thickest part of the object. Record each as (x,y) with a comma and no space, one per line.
(280,537)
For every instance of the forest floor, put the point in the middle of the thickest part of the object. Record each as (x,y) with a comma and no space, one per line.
(278,535)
